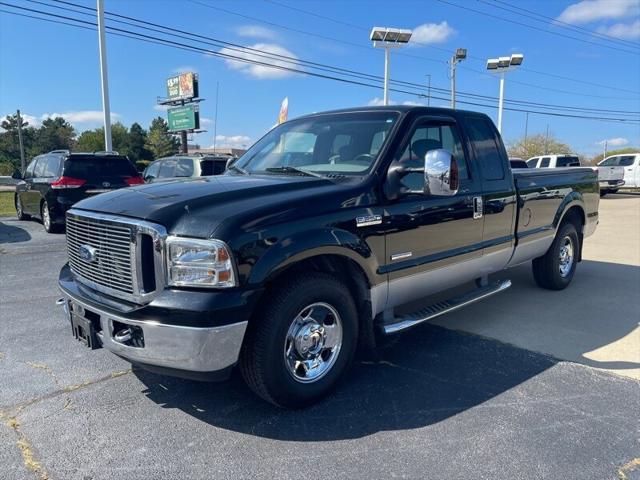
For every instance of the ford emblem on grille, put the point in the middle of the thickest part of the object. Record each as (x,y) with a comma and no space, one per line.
(106,184)
(87,253)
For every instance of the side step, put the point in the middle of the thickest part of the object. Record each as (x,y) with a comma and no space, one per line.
(439,308)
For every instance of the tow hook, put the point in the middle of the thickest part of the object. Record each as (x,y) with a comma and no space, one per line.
(62,302)
(123,336)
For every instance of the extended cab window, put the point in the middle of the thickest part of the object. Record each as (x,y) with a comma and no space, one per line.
(544,163)
(483,138)
(531,163)
(426,137)
(626,161)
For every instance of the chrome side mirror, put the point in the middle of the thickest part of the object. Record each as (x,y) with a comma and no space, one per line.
(440,173)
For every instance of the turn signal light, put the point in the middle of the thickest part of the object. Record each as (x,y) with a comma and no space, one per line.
(67,182)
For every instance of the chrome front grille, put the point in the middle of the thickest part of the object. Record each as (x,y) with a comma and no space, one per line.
(112,266)
(105,253)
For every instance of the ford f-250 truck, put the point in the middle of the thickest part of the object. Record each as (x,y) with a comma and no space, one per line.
(301,253)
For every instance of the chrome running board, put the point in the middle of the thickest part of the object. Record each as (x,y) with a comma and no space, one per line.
(440,308)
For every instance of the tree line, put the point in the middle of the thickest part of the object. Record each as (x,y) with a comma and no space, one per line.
(140,145)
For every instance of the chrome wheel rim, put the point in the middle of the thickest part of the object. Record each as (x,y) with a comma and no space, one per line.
(313,342)
(46,219)
(566,256)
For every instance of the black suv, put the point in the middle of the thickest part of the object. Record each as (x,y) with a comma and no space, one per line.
(54,181)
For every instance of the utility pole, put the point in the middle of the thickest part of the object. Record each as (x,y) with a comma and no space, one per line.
(429,91)
(386,76)
(526,127)
(23,165)
(605,149)
(500,102)
(106,110)
(546,141)
(215,119)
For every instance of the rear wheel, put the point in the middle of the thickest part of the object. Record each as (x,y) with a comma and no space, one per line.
(20,210)
(555,269)
(303,341)
(47,221)
(603,192)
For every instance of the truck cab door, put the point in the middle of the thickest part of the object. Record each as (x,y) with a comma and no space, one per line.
(426,233)
(499,195)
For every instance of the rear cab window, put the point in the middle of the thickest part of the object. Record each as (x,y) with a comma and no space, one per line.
(568,162)
(212,167)
(483,140)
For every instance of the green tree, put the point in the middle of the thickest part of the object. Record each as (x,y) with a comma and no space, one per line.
(9,144)
(620,151)
(93,140)
(90,141)
(159,141)
(137,142)
(54,134)
(536,145)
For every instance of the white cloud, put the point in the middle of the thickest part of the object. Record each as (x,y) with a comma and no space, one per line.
(429,33)
(261,71)
(160,108)
(255,31)
(625,31)
(205,121)
(615,142)
(376,102)
(413,103)
(590,10)
(233,141)
(184,69)
(81,116)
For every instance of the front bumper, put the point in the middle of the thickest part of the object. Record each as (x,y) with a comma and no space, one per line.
(207,352)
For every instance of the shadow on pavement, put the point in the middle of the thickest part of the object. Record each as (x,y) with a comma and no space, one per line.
(422,378)
(13,234)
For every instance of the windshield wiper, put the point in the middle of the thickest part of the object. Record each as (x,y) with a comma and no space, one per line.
(238,169)
(289,169)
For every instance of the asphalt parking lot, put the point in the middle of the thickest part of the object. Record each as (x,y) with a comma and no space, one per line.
(527,384)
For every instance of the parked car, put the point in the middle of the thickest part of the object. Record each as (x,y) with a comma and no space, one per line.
(518,163)
(54,181)
(554,161)
(180,166)
(619,170)
(305,249)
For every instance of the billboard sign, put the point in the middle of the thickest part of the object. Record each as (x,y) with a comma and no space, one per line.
(183,86)
(183,118)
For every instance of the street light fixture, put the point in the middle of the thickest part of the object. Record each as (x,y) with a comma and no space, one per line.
(503,65)
(461,54)
(388,38)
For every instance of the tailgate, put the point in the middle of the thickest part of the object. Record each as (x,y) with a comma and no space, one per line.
(610,173)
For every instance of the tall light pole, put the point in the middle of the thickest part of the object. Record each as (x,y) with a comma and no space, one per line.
(502,65)
(461,54)
(106,110)
(388,38)
(429,91)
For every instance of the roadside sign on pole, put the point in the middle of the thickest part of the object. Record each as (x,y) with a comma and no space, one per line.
(183,118)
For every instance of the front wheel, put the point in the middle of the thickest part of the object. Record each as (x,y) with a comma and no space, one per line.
(302,342)
(555,269)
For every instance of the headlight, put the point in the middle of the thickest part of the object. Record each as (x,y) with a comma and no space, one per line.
(199,263)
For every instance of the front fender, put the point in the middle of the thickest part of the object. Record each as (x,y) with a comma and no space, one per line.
(304,245)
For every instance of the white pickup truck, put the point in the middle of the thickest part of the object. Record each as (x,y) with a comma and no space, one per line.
(610,175)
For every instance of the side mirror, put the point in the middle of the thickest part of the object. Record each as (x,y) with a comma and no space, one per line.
(16,175)
(440,173)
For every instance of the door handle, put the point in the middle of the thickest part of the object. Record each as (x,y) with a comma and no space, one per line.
(477,207)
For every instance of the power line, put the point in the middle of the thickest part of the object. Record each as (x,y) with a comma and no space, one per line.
(479,59)
(533,27)
(192,48)
(557,23)
(330,68)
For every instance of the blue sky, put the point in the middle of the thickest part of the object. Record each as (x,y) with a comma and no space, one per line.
(47,68)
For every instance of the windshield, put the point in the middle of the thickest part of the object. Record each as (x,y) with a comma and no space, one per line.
(345,144)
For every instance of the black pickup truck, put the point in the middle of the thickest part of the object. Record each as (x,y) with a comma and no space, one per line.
(301,254)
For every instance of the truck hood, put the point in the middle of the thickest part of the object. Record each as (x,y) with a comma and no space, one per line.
(195,207)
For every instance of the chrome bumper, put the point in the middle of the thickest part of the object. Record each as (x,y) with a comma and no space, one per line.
(169,346)
(611,183)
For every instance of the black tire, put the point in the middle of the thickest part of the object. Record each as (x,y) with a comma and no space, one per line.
(20,209)
(549,271)
(263,361)
(49,223)
(603,193)
(615,190)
